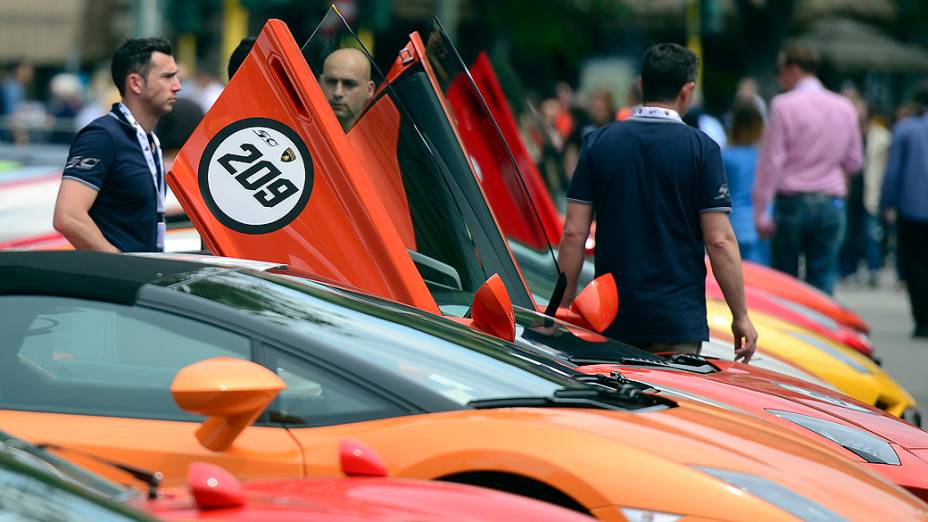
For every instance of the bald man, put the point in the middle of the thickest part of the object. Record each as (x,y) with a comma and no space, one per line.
(346,81)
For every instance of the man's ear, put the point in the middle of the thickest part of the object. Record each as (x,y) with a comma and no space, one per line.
(370,88)
(686,93)
(134,83)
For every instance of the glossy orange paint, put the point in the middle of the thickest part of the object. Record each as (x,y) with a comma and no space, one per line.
(758,392)
(275,83)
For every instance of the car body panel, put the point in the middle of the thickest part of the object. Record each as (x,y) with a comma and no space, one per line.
(757,397)
(275,83)
(797,314)
(578,450)
(843,367)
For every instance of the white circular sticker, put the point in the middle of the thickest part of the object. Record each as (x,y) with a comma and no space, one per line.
(256,175)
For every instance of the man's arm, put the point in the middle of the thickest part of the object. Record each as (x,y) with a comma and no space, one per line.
(571,251)
(853,160)
(73,220)
(723,253)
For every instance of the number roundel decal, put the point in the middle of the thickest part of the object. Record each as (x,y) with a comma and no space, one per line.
(256,175)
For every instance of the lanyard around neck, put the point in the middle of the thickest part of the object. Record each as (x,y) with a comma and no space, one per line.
(142,137)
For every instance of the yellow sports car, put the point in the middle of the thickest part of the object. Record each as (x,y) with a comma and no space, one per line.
(838,365)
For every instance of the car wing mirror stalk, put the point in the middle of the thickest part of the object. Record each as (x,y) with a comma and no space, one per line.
(230,392)
(595,307)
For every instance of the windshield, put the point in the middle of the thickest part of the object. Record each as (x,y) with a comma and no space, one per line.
(43,461)
(455,363)
(400,134)
(499,173)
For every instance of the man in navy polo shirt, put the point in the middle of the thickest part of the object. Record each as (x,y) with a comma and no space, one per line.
(112,190)
(658,191)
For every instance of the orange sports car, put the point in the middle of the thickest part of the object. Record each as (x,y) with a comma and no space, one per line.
(123,356)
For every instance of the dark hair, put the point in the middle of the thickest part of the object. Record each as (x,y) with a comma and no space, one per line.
(806,59)
(134,57)
(920,96)
(666,69)
(747,123)
(239,54)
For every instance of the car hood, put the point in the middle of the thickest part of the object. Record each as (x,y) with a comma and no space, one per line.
(364,499)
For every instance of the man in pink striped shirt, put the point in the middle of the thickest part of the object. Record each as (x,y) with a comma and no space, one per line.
(812,143)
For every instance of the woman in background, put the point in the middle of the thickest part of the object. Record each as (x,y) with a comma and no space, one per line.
(740,157)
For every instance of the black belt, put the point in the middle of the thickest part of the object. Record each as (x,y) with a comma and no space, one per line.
(809,195)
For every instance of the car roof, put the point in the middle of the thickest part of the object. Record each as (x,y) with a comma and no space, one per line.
(84,274)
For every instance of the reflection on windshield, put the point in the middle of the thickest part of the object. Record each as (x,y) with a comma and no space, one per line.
(42,461)
(461,366)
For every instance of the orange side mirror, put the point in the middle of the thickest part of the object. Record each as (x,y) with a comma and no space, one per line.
(595,307)
(230,392)
(492,310)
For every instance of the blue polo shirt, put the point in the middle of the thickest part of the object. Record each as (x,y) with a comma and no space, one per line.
(107,157)
(648,181)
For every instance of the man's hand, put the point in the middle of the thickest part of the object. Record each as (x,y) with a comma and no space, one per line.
(765,226)
(745,338)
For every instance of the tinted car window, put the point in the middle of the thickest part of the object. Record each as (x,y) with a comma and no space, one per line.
(76,356)
(315,397)
(399,340)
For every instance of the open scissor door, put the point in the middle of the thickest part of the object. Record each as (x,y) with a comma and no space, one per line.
(270,175)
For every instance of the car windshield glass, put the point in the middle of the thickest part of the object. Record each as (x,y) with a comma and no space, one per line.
(36,458)
(400,339)
(416,173)
(497,169)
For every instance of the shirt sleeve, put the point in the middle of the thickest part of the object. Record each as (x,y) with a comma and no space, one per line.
(854,157)
(714,195)
(580,189)
(90,158)
(889,195)
(771,161)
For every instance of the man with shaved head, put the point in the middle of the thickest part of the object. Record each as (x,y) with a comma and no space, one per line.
(346,81)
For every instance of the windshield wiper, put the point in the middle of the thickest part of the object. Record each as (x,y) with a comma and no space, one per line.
(680,361)
(153,480)
(613,381)
(612,397)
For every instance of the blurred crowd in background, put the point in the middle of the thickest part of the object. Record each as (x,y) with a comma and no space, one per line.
(576,64)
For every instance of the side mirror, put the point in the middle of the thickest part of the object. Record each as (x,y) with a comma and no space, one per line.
(359,460)
(231,393)
(596,306)
(491,311)
(213,487)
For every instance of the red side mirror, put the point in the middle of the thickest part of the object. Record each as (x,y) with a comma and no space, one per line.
(213,487)
(598,303)
(359,460)
(595,307)
(492,310)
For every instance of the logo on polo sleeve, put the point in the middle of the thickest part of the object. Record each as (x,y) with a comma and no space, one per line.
(256,175)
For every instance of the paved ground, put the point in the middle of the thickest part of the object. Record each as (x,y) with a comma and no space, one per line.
(886,310)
